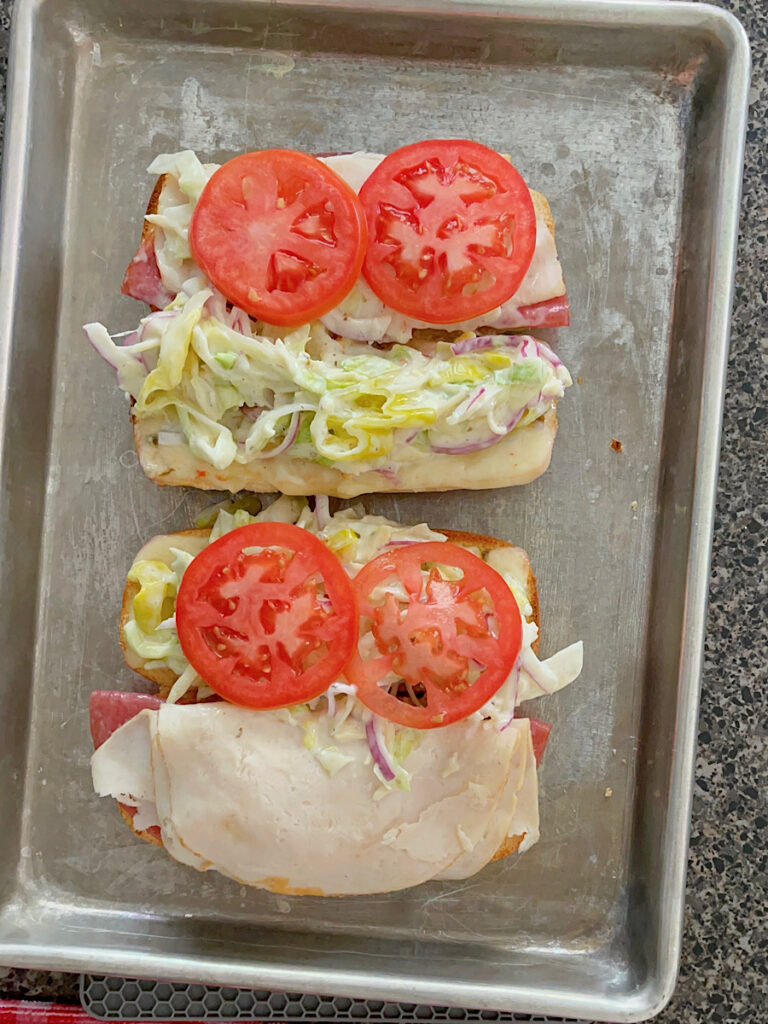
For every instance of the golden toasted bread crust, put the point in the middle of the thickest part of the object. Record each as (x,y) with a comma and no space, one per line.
(543,210)
(510,845)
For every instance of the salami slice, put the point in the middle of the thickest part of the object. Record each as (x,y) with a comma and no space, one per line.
(142,279)
(109,709)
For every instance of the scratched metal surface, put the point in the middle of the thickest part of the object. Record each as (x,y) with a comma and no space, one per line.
(604,130)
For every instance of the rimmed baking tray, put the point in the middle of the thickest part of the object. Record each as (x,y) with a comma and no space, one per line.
(630,117)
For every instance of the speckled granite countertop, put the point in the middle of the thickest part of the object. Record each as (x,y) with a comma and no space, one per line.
(724,970)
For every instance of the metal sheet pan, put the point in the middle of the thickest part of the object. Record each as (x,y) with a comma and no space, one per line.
(630,117)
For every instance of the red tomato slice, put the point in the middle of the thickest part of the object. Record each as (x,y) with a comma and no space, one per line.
(540,736)
(267,615)
(440,648)
(280,235)
(452,230)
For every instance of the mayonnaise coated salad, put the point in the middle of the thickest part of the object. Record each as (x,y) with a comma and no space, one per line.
(150,633)
(235,390)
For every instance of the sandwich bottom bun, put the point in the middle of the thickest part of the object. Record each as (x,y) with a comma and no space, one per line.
(520,457)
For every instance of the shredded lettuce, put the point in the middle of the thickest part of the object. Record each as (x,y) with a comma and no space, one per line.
(332,759)
(232,395)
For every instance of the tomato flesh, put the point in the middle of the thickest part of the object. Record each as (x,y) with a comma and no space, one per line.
(280,235)
(452,230)
(441,646)
(266,615)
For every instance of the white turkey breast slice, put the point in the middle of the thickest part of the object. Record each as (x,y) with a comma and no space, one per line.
(236,790)
(516,812)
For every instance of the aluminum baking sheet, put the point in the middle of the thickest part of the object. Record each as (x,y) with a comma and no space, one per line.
(630,117)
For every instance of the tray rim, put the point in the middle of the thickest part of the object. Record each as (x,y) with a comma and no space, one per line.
(650,998)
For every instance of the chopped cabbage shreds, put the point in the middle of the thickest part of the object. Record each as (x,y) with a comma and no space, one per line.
(234,396)
(332,759)
(546,677)
(185,167)
(185,682)
(230,387)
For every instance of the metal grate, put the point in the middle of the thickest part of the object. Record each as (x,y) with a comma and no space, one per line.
(108,998)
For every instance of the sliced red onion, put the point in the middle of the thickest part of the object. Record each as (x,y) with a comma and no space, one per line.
(411,436)
(251,411)
(465,449)
(160,314)
(538,672)
(127,338)
(216,307)
(516,419)
(242,322)
(285,444)
(92,334)
(460,348)
(516,671)
(118,359)
(378,750)
(334,690)
(478,394)
(546,351)
(388,474)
